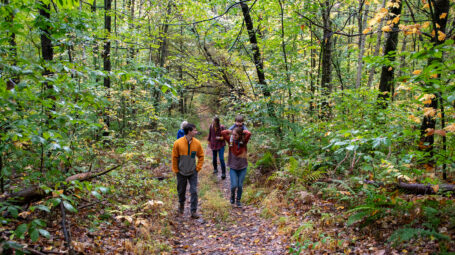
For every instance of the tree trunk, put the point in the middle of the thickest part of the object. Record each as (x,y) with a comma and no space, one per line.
(163,37)
(390,47)
(312,70)
(257,57)
(376,50)
(14,80)
(130,28)
(362,20)
(326,62)
(107,52)
(437,8)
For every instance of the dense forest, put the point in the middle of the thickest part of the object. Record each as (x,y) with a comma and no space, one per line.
(351,106)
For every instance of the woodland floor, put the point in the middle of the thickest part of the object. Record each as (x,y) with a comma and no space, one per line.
(245,233)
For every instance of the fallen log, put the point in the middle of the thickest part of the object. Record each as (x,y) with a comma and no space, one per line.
(418,188)
(425,189)
(35,193)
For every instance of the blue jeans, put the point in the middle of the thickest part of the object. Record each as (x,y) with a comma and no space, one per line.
(220,153)
(237,178)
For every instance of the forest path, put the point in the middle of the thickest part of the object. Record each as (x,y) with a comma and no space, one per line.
(243,231)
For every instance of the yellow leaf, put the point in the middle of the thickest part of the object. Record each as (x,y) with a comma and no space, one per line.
(441,36)
(426,24)
(435,188)
(390,69)
(433,33)
(437,25)
(367,30)
(426,99)
(417,72)
(434,76)
(386,29)
(426,6)
(429,111)
(450,128)
(383,10)
(443,16)
(396,19)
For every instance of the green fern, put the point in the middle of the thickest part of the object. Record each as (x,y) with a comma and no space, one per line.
(312,176)
(405,234)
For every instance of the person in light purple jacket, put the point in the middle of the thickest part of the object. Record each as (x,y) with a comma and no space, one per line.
(216,144)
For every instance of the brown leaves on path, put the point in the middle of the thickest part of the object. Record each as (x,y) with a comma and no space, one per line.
(244,232)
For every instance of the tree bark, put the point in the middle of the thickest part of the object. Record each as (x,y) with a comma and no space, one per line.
(362,20)
(130,28)
(437,8)
(14,80)
(326,61)
(107,52)
(376,50)
(257,57)
(387,73)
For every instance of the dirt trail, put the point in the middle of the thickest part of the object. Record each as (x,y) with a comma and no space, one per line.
(245,232)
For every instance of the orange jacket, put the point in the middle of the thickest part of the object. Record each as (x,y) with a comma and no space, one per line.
(181,149)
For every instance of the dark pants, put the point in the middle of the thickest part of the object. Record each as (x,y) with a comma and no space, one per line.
(181,189)
(219,152)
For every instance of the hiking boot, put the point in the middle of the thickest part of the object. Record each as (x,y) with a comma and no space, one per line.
(238,204)
(232,197)
(181,209)
(215,171)
(223,177)
(194,215)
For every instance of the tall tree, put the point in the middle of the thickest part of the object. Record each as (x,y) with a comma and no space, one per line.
(326,58)
(439,13)
(11,83)
(257,56)
(107,51)
(387,73)
(361,22)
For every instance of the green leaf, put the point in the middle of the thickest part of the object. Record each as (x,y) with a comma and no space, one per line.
(43,208)
(34,234)
(103,189)
(44,233)
(13,210)
(21,230)
(96,194)
(38,222)
(55,201)
(69,207)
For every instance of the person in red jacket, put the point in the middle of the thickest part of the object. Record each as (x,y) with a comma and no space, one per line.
(217,144)
(237,160)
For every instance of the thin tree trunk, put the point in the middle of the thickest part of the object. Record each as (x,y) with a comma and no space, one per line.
(312,70)
(131,49)
(390,47)
(437,8)
(257,57)
(362,20)
(376,50)
(11,83)
(107,52)
(326,61)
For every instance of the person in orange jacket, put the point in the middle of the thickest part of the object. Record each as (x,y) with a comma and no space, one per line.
(184,165)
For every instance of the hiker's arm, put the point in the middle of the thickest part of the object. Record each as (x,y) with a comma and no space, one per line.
(175,158)
(247,135)
(226,134)
(200,158)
